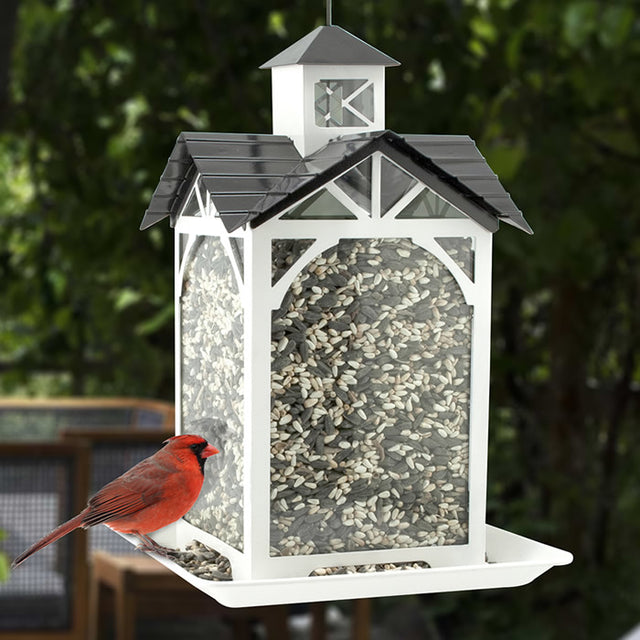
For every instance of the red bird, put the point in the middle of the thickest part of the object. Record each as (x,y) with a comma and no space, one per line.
(154,493)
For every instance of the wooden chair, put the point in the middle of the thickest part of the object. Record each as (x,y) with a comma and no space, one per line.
(41,485)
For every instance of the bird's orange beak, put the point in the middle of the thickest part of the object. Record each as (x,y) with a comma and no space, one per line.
(209,450)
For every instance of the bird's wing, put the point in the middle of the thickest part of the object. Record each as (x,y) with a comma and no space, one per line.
(136,489)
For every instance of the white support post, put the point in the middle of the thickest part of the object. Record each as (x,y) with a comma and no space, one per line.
(479,396)
(257,402)
(177,290)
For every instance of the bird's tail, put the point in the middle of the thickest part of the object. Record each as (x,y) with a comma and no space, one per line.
(56,534)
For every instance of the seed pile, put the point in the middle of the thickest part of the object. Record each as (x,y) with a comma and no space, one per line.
(369,568)
(287,252)
(203,562)
(370,398)
(212,383)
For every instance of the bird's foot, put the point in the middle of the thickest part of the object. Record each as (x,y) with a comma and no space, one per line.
(147,544)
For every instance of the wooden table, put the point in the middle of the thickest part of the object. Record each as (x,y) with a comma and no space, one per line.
(139,585)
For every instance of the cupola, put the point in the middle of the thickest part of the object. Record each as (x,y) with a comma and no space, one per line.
(326,85)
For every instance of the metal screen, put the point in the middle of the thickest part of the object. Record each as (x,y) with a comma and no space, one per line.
(36,496)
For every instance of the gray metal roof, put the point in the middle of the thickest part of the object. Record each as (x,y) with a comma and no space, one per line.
(330,45)
(252,178)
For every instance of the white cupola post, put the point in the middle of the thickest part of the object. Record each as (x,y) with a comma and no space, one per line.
(327,84)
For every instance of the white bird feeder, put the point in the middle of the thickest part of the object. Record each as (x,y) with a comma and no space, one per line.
(333,299)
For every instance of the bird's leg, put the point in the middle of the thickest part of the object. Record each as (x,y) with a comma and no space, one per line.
(148,544)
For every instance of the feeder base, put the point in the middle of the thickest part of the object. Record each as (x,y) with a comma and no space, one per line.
(512,561)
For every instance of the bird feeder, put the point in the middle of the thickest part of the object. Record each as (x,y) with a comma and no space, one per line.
(333,299)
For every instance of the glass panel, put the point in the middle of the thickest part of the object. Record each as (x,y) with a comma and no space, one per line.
(192,208)
(332,95)
(363,102)
(395,183)
(284,253)
(237,247)
(212,384)
(462,252)
(318,206)
(357,184)
(429,205)
(371,352)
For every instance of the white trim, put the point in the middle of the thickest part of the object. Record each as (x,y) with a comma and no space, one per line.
(177,327)
(385,227)
(479,384)
(346,102)
(185,202)
(423,233)
(406,200)
(205,226)
(199,196)
(429,243)
(279,289)
(210,210)
(344,199)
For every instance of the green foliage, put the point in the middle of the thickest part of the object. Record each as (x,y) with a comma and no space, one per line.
(549,92)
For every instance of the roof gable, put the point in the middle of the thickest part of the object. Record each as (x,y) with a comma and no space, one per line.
(330,45)
(252,178)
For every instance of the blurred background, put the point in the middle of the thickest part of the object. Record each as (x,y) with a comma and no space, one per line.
(92,97)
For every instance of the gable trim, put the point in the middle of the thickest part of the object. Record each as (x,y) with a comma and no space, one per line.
(407,161)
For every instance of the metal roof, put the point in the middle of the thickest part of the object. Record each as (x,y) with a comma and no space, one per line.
(252,178)
(330,45)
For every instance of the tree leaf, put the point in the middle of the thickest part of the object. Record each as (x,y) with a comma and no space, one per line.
(579,22)
(155,322)
(615,25)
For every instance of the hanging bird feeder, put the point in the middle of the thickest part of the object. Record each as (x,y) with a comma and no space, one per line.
(333,299)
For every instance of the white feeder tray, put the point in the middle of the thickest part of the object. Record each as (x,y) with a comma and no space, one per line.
(512,561)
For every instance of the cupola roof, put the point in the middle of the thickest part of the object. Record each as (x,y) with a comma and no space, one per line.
(330,45)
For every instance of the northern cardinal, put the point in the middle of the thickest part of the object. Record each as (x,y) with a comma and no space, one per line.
(154,493)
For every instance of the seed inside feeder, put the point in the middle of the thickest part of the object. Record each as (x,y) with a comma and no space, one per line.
(370,402)
(212,383)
